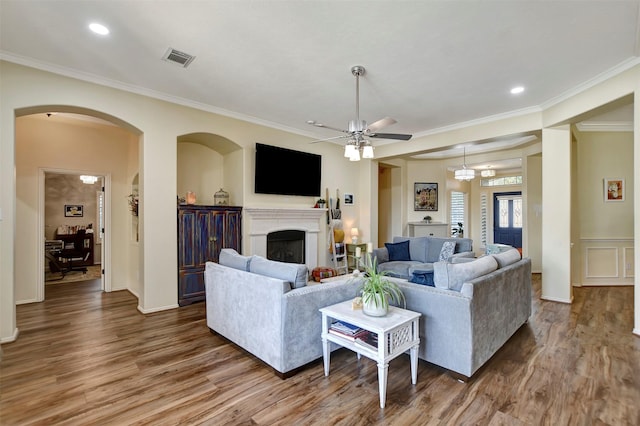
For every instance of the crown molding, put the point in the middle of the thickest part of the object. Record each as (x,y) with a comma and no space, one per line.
(114,84)
(610,73)
(605,126)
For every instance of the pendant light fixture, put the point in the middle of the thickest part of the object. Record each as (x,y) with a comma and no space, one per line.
(464,173)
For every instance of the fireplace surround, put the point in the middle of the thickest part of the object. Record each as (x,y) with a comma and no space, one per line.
(263,220)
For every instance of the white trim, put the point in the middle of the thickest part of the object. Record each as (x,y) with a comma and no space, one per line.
(586,262)
(158,309)
(11,338)
(610,73)
(605,126)
(553,299)
(626,258)
(114,84)
(27,301)
(636,331)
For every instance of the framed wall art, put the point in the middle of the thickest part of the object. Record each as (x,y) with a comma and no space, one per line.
(348,199)
(425,196)
(73,210)
(613,189)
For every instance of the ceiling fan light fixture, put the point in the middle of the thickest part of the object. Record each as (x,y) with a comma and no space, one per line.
(355,155)
(487,173)
(348,150)
(367,151)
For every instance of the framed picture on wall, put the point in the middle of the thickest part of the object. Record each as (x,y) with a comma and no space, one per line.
(73,210)
(613,189)
(425,196)
(348,199)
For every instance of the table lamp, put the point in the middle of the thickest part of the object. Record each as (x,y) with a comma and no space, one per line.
(354,235)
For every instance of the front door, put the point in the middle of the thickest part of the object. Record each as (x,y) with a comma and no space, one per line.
(507,218)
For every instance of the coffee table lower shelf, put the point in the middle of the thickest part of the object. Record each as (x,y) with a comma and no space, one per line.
(397,333)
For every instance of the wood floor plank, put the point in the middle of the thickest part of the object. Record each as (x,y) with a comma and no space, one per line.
(88,357)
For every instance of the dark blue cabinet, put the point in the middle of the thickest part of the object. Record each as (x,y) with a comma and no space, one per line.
(202,232)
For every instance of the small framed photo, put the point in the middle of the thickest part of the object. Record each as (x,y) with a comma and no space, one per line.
(73,210)
(348,199)
(425,196)
(613,189)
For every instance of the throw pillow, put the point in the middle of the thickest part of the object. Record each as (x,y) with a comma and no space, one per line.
(232,259)
(398,251)
(447,250)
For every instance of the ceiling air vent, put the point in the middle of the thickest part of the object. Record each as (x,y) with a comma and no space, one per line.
(178,57)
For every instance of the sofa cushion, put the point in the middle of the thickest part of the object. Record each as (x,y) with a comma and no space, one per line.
(447,250)
(398,251)
(507,257)
(399,269)
(231,258)
(293,273)
(452,275)
(417,247)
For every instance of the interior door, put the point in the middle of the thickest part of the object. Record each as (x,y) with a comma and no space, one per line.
(507,218)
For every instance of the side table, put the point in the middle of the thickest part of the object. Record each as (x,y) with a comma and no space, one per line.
(397,332)
(351,252)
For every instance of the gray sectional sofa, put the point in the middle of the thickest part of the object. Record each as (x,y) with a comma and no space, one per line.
(474,308)
(266,308)
(406,254)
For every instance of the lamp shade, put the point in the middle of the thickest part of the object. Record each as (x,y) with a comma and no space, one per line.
(348,150)
(367,151)
(465,174)
(355,154)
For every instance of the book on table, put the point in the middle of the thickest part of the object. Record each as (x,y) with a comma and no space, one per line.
(346,330)
(368,340)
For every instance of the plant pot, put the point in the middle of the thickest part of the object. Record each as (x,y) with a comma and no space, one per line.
(369,307)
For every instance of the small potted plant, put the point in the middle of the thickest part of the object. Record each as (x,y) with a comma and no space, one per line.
(378,291)
(427,219)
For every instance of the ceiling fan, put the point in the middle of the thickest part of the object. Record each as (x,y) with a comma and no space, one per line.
(358,131)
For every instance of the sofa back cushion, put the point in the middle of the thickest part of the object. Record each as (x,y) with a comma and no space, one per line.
(507,257)
(452,275)
(231,258)
(417,247)
(294,273)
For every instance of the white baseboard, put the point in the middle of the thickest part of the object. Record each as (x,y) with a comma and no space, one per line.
(24,302)
(12,338)
(553,299)
(158,309)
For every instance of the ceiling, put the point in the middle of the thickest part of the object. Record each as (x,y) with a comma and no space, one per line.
(429,64)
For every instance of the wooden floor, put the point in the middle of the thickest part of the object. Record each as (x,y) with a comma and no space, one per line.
(86,357)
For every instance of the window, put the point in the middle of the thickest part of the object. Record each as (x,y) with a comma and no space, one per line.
(458,209)
(510,211)
(502,181)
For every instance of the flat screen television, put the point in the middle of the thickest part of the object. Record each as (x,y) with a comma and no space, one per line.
(287,172)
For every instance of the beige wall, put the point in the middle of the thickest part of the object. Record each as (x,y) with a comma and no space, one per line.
(52,143)
(159,124)
(200,169)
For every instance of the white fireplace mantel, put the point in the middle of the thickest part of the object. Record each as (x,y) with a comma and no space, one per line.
(264,220)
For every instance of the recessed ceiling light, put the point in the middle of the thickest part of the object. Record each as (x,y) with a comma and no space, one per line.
(517,89)
(98,28)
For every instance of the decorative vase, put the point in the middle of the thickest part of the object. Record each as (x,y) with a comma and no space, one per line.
(191,197)
(369,307)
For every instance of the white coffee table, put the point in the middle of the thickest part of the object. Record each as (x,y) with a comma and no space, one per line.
(397,332)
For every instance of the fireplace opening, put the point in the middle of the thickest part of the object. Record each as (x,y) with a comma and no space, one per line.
(286,246)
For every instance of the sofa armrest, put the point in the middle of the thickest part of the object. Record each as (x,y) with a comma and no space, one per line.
(381,253)
(463,255)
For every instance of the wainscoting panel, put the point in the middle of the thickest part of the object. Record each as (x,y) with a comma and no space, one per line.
(607,262)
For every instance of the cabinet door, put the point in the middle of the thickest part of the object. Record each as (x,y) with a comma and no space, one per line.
(233,235)
(192,244)
(217,225)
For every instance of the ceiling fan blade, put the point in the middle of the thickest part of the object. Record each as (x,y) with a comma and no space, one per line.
(384,122)
(329,139)
(315,123)
(391,136)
